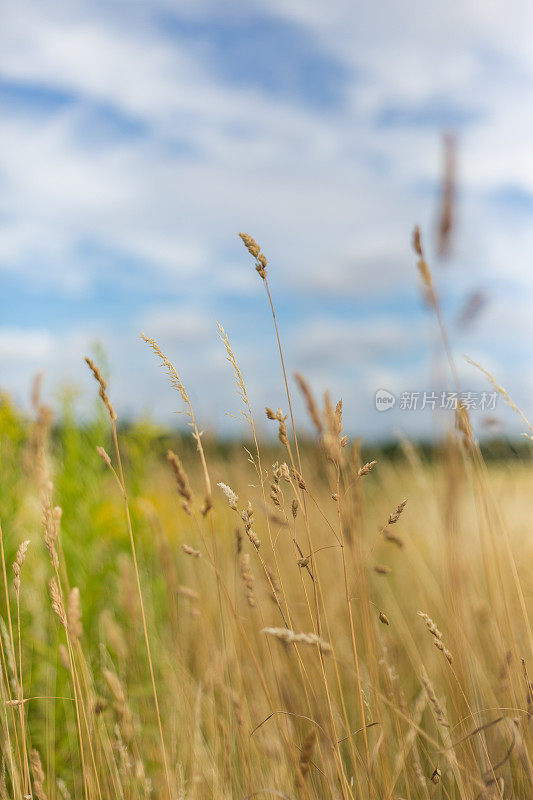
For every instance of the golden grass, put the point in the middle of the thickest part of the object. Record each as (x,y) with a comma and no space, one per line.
(274,636)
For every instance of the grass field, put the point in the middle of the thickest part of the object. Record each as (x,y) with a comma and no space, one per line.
(318,625)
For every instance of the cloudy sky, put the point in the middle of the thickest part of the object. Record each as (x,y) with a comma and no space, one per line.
(138,139)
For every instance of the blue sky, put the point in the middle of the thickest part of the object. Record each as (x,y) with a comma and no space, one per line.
(137,139)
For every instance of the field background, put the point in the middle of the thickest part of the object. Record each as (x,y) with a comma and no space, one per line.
(243,712)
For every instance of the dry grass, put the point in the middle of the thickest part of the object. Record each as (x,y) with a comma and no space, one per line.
(267,639)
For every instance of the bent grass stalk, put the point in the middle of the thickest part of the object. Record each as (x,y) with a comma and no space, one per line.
(120,476)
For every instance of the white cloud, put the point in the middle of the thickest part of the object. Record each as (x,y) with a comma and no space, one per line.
(331,196)
(25,346)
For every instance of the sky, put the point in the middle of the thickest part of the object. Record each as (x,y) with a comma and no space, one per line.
(138,139)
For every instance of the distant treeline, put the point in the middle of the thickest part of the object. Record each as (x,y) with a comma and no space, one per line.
(160,440)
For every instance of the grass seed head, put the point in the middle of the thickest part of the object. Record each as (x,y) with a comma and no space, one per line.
(248,579)
(103,388)
(57,602)
(182,481)
(19,561)
(438,710)
(306,756)
(231,496)
(255,251)
(392,537)
(190,551)
(38,775)
(290,637)
(366,468)
(312,408)
(396,514)
(103,455)
(432,628)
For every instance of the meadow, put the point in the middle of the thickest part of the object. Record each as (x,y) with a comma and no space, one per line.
(293,617)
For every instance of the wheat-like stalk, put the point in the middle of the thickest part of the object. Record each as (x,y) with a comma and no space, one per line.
(290,637)
(177,384)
